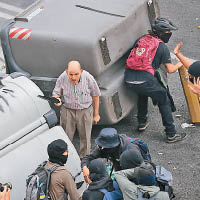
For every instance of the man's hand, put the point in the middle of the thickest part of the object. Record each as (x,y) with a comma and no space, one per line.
(86,173)
(5,195)
(96,119)
(60,103)
(195,88)
(177,48)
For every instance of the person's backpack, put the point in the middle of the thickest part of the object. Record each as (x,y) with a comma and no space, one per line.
(143,53)
(37,183)
(164,180)
(143,148)
(113,195)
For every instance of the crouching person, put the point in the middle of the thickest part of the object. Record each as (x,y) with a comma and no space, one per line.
(101,186)
(62,182)
(137,180)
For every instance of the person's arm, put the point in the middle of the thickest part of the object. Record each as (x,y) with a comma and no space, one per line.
(95,93)
(57,91)
(70,186)
(128,188)
(85,162)
(185,61)
(96,116)
(166,60)
(171,68)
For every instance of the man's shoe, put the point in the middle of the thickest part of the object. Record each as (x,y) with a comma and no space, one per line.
(142,126)
(177,137)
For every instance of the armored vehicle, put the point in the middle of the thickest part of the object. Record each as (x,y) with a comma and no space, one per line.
(48,34)
(28,125)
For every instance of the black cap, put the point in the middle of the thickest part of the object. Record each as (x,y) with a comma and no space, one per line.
(194,69)
(97,170)
(97,166)
(57,148)
(108,138)
(130,159)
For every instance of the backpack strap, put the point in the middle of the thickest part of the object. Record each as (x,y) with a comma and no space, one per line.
(135,44)
(62,196)
(49,171)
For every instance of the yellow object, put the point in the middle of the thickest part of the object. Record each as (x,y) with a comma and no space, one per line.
(192,100)
(198,27)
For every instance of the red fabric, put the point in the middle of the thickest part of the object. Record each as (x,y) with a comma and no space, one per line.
(141,57)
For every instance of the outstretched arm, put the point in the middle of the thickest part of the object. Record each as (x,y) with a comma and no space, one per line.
(185,61)
(171,68)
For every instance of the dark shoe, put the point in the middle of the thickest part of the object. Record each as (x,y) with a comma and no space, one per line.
(142,126)
(177,137)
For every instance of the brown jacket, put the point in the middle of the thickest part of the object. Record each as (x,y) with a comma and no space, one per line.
(61,180)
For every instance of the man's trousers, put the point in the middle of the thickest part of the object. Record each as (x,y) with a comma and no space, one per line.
(71,119)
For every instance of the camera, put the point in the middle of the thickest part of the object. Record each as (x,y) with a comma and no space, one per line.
(9,185)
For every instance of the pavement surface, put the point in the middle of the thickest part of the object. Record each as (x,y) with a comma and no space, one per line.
(182,158)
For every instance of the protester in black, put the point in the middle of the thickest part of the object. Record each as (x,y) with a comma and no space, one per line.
(99,180)
(110,145)
(146,85)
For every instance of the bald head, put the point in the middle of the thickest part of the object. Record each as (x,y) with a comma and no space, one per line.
(74,71)
(73,65)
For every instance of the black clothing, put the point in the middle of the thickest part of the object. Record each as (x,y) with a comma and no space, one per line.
(162,56)
(92,192)
(111,155)
(55,150)
(146,85)
(130,159)
(97,170)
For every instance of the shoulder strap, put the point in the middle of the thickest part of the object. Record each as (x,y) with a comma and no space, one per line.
(135,44)
(49,171)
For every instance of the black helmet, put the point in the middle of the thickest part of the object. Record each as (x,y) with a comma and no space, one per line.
(108,138)
(162,24)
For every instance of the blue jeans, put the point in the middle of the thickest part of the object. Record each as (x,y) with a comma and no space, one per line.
(159,96)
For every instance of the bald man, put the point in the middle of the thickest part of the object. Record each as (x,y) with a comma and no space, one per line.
(80,108)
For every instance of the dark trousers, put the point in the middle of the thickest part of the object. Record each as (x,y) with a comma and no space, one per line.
(159,95)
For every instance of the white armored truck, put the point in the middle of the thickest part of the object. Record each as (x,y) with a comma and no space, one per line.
(27,126)
(98,33)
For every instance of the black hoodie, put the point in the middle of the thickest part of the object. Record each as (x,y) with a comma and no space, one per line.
(93,193)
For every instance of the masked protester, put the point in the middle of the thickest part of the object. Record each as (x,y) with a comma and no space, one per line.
(146,74)
(62,181)
(137,178)
(100,180)
(110,145)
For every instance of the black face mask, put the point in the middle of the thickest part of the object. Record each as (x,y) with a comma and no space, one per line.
(111,151)
(61,159)
(165,37)
(64,159)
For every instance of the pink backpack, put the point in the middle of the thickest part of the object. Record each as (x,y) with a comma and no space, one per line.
(141,57)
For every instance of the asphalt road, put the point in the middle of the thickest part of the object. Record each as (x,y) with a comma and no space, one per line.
(183,158)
